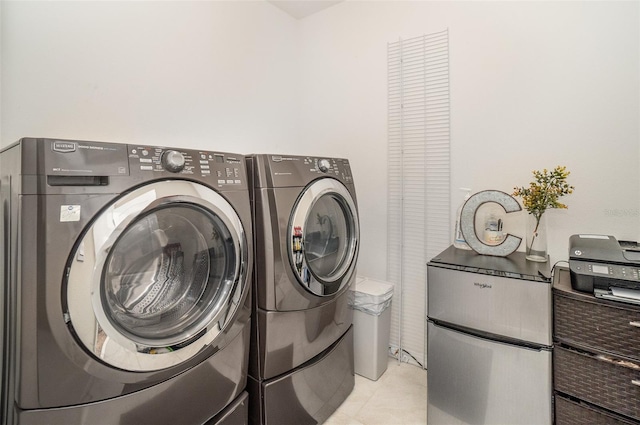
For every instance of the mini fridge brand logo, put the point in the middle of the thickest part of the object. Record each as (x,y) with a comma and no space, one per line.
(482,285)
(63,147)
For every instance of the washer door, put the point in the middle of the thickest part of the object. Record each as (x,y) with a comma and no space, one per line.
(157,276)
(323,237)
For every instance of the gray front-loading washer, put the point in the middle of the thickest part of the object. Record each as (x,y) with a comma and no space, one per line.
(306,232)
(126,284)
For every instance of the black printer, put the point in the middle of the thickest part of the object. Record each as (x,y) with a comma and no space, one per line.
(604,266)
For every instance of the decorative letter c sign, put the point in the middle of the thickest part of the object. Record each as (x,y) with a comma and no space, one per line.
(468,222)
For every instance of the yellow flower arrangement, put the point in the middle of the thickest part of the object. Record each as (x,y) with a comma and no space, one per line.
(544,192)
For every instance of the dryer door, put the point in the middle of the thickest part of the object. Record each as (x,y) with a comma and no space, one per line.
(157,276)
(323,237)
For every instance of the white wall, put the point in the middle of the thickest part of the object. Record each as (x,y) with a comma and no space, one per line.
(533,85)
(217,74)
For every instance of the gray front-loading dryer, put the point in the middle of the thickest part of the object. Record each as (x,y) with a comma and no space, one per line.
(307,239)
(126,284)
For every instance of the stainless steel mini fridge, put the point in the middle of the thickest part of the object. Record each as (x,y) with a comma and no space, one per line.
(489,340)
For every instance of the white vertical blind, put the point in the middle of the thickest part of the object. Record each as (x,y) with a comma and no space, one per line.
(418,179)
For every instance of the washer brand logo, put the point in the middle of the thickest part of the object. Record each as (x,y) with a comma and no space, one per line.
(282,158)
(63,147)
(482,285)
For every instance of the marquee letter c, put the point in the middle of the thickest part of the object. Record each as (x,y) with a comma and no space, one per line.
(468,220)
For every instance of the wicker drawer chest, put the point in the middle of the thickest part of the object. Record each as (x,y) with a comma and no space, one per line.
(596,358)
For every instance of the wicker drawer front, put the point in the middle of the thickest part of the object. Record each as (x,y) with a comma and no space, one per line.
(572,413)
(597,381)
(598,326)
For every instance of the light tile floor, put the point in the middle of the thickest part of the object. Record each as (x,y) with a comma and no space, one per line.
(398,397)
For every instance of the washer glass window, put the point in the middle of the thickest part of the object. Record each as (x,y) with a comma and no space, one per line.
(157,276)
(165,273)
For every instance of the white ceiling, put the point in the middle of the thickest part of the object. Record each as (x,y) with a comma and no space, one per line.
(302,8)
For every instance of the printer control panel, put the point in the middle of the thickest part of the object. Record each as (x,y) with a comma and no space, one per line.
(612,271)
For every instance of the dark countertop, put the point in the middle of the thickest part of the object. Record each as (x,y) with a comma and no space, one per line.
(514,265)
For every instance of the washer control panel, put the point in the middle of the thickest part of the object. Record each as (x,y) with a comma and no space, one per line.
(173,161)
(217,168)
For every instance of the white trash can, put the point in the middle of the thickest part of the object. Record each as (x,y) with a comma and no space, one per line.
(371,326)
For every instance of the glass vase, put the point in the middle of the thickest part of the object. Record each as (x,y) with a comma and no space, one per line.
(536,240)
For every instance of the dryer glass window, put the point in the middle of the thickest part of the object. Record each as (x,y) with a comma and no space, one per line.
(166,273)
(327,235)
(323,237)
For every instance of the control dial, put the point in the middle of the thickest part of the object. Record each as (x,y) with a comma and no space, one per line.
(324,165)
(172,161)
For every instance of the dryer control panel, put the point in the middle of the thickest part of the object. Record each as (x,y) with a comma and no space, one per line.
(218,168)
(287,171)
(337,167)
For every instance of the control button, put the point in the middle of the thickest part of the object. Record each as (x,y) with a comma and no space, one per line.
(204,167)
(146,167)
(149,160)
(324,165)
(221,181)
(173,161)
(133,151)
(202,156)
(145,153)
(237,181)
(206,172)
(230,181)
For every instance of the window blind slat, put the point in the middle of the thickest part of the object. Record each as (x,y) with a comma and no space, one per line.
(418,140)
